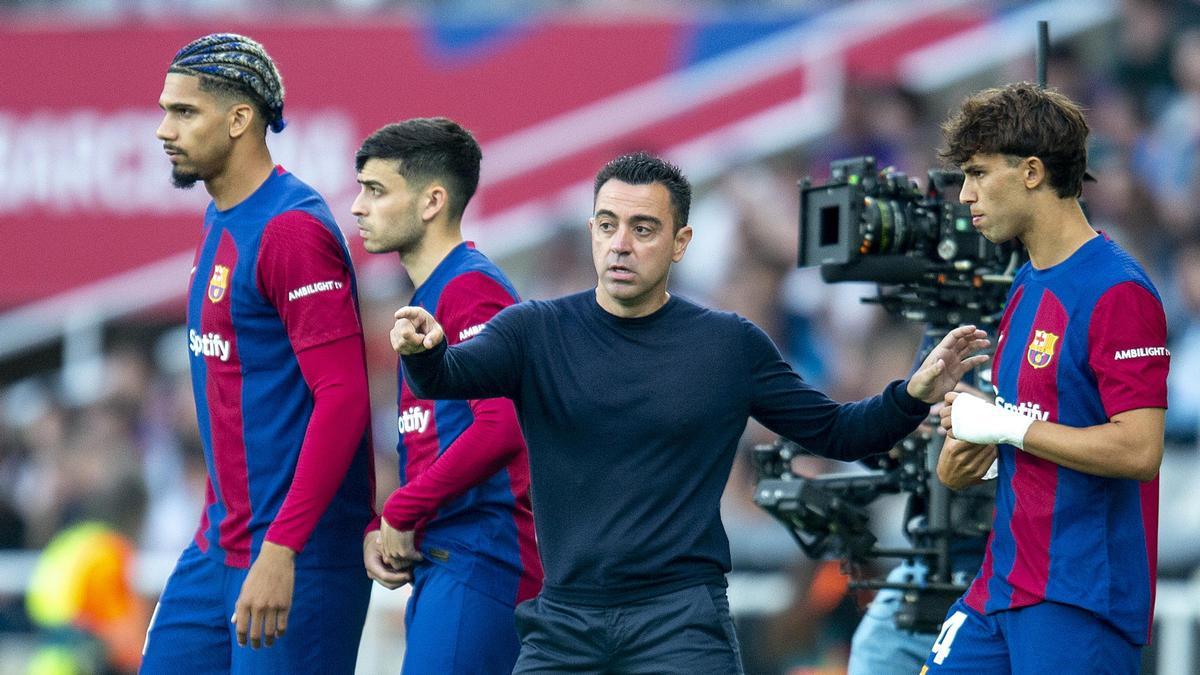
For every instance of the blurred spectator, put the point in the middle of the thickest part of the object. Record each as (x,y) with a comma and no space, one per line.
(173,464)
(1183,387)
(763,247)
(1143,53)
(1179,527)
(880,121)
(1119,203)
(1169,163)
(12,456)
(38,480)
(81,595)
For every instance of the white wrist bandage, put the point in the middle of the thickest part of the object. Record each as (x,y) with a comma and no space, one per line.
(978,421)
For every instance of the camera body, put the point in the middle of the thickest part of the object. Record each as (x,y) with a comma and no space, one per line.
(879,226)
(866,213)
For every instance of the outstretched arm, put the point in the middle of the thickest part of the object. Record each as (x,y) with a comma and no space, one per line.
(796,410)
(488,365)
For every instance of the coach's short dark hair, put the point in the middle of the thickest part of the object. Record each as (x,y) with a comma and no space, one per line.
(234,67)
(1023,120)
(426,149)
(642,168)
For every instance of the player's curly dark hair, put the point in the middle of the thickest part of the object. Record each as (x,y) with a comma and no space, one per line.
(1022,120)
(642,168)
(425,149)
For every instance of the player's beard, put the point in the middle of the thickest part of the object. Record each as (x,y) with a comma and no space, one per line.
(409,233)
(185,175)
(184,179)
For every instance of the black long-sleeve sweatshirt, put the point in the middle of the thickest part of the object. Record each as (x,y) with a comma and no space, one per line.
(632,425)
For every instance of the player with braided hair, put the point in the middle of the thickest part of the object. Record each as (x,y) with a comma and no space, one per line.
(228,63)
(279,378)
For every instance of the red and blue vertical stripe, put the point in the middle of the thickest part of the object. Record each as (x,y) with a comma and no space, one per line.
(252,402)
(488,527)
(1059,534)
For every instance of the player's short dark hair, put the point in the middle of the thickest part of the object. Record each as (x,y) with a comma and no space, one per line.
(426,149)
(234,67)
(642,168)
(1022,120)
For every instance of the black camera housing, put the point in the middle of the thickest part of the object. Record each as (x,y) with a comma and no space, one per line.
(863,213)
(879,226)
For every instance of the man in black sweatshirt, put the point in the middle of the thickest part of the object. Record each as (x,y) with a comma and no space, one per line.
(632,402)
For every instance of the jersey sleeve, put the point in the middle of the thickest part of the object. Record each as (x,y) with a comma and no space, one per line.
(336,372)
(467,303)
(488,445)
(465,306)
(304,274)
(1127,351)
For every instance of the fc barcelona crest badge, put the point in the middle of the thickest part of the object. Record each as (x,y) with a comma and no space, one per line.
(219,284)
(1041,349)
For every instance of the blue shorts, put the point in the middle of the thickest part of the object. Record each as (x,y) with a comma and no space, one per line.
(453,628)
(191,630)
(1048,637)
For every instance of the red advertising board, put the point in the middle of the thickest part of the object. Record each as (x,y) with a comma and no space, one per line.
(84,185)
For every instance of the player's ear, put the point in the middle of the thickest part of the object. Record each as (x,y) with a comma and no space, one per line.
(682,238)
(241,118)
(435,200)
(1033,172)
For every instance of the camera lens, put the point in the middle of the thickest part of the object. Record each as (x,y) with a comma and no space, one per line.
(877,226)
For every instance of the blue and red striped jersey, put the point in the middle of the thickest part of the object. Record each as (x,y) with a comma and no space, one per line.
(272,278)
(464,467)
(1079,342)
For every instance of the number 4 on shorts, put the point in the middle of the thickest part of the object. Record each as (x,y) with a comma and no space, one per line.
(941,648)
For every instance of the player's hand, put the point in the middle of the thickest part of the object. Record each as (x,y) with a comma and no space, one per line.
(947,363)
(963,464)
(946,412)
(378,569)
(261,612)
(936,408)
(415,331)
(398,547)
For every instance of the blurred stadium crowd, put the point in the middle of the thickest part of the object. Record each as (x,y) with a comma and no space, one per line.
(116,441)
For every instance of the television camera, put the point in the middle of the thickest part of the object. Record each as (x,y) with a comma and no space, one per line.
(931,264)
(932,267)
